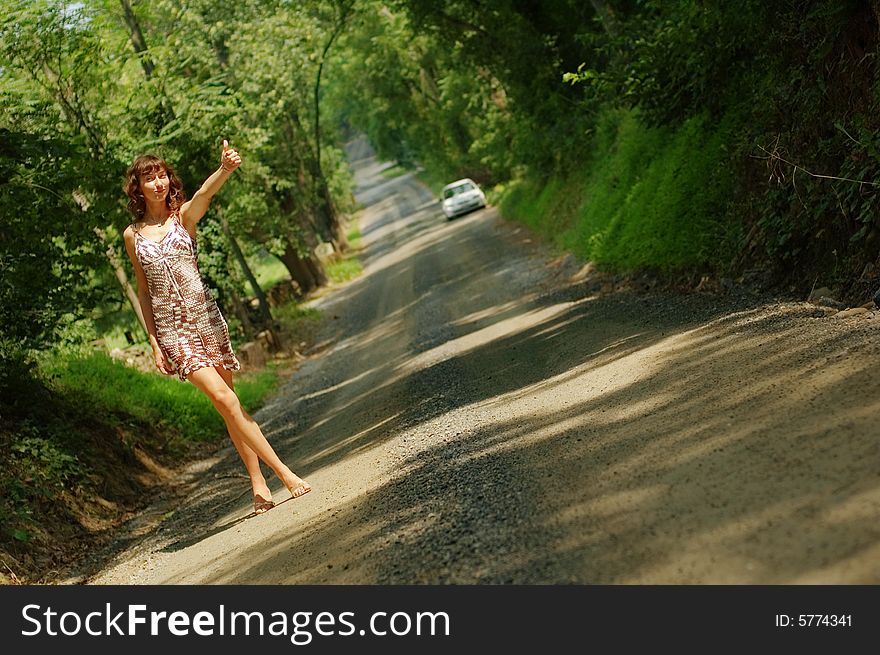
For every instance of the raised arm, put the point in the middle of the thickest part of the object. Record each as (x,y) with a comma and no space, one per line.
(193,209)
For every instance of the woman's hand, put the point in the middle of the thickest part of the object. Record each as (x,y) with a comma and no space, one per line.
(192,211)
(229,158)
(162,362)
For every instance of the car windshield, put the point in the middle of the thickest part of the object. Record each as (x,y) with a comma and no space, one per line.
(457,189)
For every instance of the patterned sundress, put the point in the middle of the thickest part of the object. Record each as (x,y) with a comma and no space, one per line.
(189,326)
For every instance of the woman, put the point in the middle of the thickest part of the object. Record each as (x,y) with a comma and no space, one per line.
(185,327)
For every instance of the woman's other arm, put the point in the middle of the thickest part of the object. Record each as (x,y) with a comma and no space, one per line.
(192,210)
(146,304)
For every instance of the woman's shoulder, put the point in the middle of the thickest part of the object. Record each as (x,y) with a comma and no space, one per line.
(129,232)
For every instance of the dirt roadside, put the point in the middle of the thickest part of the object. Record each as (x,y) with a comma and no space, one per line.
(485,413)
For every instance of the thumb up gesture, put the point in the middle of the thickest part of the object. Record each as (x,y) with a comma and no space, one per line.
(229,158)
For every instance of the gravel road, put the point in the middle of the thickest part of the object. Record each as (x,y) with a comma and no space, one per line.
(484,413)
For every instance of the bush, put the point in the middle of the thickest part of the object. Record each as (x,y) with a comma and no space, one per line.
(648,197)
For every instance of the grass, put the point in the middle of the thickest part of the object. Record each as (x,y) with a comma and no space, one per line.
(123,393)
(394,171)
(113,334)
(292,312)
(354,235)
(349,266)
(345,269)
(649,197)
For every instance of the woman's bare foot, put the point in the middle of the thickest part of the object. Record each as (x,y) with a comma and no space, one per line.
(261,505)
(262,497)
(297,486)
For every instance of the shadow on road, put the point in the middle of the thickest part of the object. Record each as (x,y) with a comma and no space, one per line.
(621,438)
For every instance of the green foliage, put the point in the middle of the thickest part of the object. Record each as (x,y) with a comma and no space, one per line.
(217,265)
(680,59)
(124,393)
(78,103)
(269,270)
(48,464)
(45,243)
(828,78)
(36,466)
(354,234)
(648,198)
(53,438)
(345,269)
(253,388)
(293,312)
(418,100)
(518,94)
(96,381)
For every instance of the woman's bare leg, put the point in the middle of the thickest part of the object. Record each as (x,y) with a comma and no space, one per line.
(239,422)
(262,493)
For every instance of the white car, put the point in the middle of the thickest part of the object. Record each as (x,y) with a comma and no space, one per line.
(462,196)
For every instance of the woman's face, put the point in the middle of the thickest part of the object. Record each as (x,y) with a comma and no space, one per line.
(155,184)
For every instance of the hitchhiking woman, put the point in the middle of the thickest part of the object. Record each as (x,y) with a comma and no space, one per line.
(186,330)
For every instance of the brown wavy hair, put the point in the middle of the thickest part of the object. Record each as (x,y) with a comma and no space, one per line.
(140,167)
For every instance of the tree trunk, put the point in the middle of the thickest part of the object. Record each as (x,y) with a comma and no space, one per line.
(137,38)
(139,43)
(324,201)
(265,313)
(300,272)
(344,12)
(317,269)
(122,277)
(241,311)
(312,263)
(340,241)
(330,228)
(307,271)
